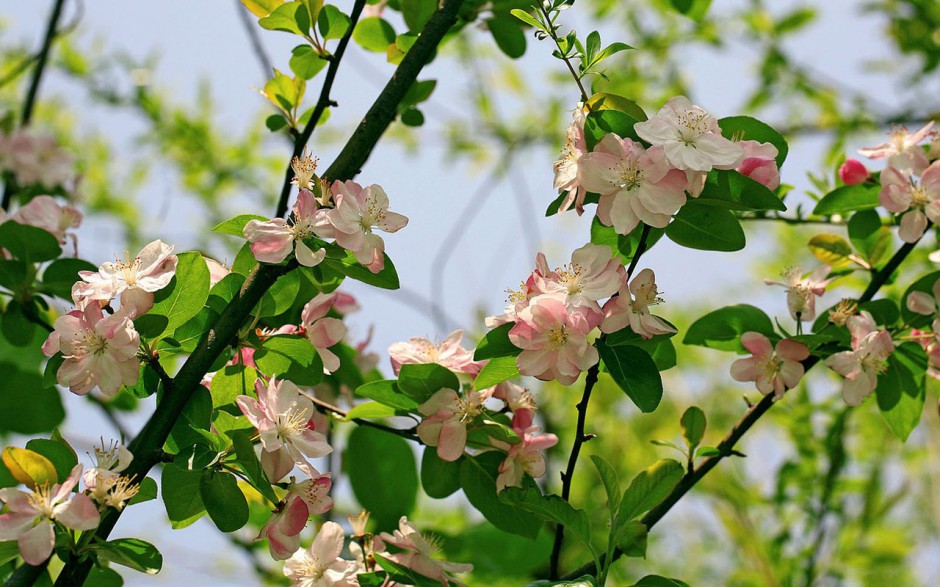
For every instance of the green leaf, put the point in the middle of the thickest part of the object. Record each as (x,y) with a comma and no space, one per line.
(439,478)
(611,483)
(195,416)
(186,294)
(387,278)
(648,489)
(707,228)
(236,226)
(374,34)
(305,62)
(631,539)
(383,474)
(733,191)
(745,128)
(262,8)
(869,237)
(224,501)
(693,424)
(387,393)
(403,575)
(61,455)
(417,13)
(831,249)
(103,577)
(658,581)
(478,479)
(29,467)
(133,553)
(371,410)
(38,407)
(551,508)
(412,117)
(419,92)
(284,18)
(9,550)
(602,122)
(181,495)
(620,245)
(16,327)
(848,198)
(275,122)
(292,357)
(508,36)
(147,492)
(605,101)
(901,389)
(526,18)
(722,329)
(28,243)
(420,382)
(248,461)
(496,344)
(884,311)
(230,382)
(18,276)
(60,275)
(496,371)
(635,373)
(332,22)
(280,297)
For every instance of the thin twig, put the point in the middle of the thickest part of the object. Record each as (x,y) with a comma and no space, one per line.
(323,102)
(551,27)
(257,47)
(328,408)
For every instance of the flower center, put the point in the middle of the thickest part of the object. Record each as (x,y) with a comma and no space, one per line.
(89,342)
(41,499)
(631,177)
(557,337)
(919,197)
(468,407)
(645,296)
(128,269)
(373,215)
(692,125)
(570,277)
(302,228)
(291,423)
(304,168)
(106,457)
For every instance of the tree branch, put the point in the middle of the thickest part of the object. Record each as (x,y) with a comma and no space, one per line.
(323,103)
(264,60)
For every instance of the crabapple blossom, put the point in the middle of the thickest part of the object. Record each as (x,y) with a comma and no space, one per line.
(924,303)
(853,172)
(566,168)
(417,550)
(283,528)
(109,463)
(842,311)
(635,184)
(773,369)
(321,330)
(304,168)
(321,565)
(447,414)
(517,300)
(358,210)
(45,213)
(273,240)
(283,419)
(803,291)
(931,344)
(98,351)
(901,149)
(760,163)
(917,202)
(217,271)
(861,366)
(313,491)
(30,516)
(449,354)
(524,457)
(593,274)
(554,340)
(690,137)
(631,308)
(134,280)
(35,158)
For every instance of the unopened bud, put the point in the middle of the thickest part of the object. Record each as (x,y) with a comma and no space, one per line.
(358,523)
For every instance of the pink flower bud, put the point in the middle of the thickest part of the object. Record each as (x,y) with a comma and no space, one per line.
(853,172)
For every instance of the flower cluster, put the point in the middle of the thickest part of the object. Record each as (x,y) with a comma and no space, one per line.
(861,366)
(774,369)
(34,158)
(355,212)
(46,213)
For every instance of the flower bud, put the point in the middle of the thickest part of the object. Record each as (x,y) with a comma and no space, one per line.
(853,172)
(358,523)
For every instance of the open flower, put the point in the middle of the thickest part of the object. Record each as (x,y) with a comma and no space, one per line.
(524,457)
(98,351)
(45,213)
(592,275)
(566,168)
(446,417)
(773,369)
(635,184)
(109,463)
(554,340)
(134,280)
(901,149)
(690,137)
(449,354)
(803,291)
(283,418)
(417,550)
(30,516)
(320,565)
(322,331)
(924,303)
(916,201)
(359,210)
(861,366)
(760,163)
(273,240)
(632,308)
(283,528)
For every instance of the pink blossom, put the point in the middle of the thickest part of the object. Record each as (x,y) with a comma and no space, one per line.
(917,202)
(98,351)
(760,163)
(217,271)
(35,158)
(593,274)
(526,456)
(632,308)
(931,345)
(345,303)
(861,366)
(417,551)
(924,303)
(902,150)
(519,299)
(554,340)
(449,354)
(690,136)
(772,369)
(109,463)
(803,291)
(321,565)
(446,417)
(45,213)
(273,240)
(566,168)
(283,418)
(359,210)
(635,184)
(853,172)
(313,491)
(134,280)
(283,528)
(322,331)
(30,517)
